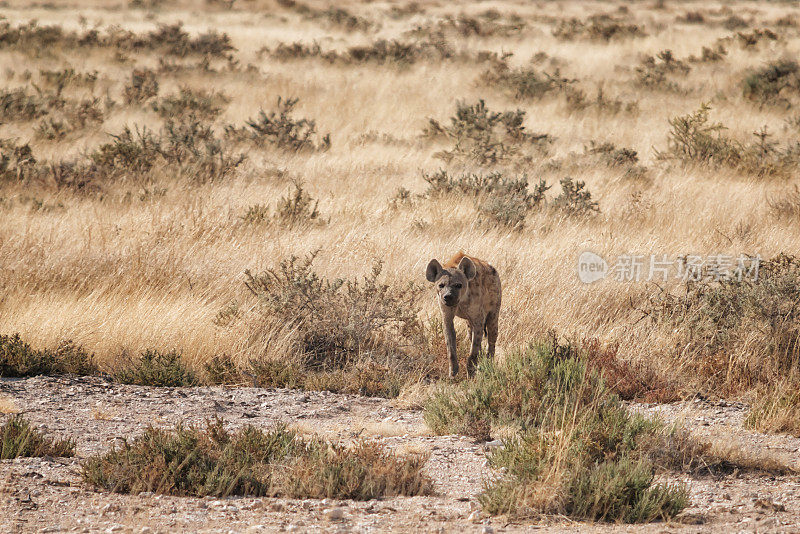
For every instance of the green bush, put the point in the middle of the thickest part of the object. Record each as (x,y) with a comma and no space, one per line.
(18,438)
(18,358)
(204,105)
(280,129)
(575,200)
(250,461)
(770,83)
(142,86)
(579,452)
(484,137)
(156,368)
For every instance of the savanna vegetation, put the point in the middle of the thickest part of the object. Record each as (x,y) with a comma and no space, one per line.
(246,192)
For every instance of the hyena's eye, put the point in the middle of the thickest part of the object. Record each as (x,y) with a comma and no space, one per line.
(457,286)
(441,286)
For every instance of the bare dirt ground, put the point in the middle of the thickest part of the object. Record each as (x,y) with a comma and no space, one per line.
(47,495)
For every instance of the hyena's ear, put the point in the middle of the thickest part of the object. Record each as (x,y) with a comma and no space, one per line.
(433,271)
(467,267)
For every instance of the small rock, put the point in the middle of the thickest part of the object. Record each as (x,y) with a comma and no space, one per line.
(145,530)
(334,514)
(114,528)
(276,507)
(487,530)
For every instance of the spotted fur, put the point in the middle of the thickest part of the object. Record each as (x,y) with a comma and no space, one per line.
(468,288)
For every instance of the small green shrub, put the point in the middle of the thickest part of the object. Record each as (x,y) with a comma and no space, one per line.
(17,162)
(188,148)
(350,336)
(143,85)
(525,83)
(579,452)
(157,369)
(18,438)
(281,130)
(597,27)
(72,116)
(501,200)
(203,105)
(18,358)
(484,137)
(217,462)
(256,214)
(655,72)
(772,83)
(296,208)
(575,200)
(59,79)
(18,105)
(756,36)
(735,22)
(693,139)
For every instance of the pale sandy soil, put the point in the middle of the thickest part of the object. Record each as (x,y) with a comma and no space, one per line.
(47,495)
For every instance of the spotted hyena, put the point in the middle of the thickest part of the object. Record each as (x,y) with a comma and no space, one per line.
(469,288)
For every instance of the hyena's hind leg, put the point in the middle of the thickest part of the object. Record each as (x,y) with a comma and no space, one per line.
(491,332)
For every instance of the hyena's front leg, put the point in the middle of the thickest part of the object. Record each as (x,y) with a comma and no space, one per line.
(477,337)
(450,337)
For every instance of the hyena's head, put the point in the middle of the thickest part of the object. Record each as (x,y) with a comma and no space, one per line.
(452,285)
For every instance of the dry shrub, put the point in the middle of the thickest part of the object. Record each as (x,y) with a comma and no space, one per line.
(631,380)
(356,336)
(215,461)
(738,333)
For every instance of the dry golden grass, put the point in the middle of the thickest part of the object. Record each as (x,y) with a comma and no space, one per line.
(7,405)
(127,270)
